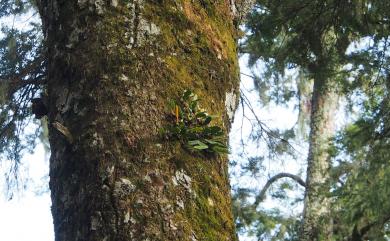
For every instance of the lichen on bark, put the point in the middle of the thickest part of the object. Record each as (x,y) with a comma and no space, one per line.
(112,66)
(317,217)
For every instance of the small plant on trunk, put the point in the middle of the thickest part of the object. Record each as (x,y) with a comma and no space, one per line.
(192,126)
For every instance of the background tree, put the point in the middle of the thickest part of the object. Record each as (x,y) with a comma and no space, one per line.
(360,175)
(313,37)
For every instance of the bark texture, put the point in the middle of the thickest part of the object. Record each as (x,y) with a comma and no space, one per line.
(113,66)
(316,215)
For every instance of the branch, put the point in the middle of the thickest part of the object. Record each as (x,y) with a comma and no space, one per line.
(263,127)
(29,75)
(273,179)
(358,235)
(248,75)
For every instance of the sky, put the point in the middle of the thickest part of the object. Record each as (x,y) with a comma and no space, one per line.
(274,116)
(27,216)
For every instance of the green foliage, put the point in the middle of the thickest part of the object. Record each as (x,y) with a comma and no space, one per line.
(192,126)
(310,38)
(22,76)
(264,224)
(15,7)
(292,42)
(361,175)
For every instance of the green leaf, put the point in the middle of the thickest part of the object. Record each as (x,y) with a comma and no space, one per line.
(187,94)
(219,149)
(198,145)
(214,130)
(215,143)
(196,129)
(193,106)
(207,120)
(201,115)
(195,142)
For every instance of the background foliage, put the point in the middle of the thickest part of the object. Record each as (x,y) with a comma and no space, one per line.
(288,43)
(22,76)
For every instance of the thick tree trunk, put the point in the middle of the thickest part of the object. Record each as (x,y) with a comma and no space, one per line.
(316,214)
(112,67)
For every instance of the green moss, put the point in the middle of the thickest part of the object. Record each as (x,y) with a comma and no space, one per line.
(210,61)
(210,217)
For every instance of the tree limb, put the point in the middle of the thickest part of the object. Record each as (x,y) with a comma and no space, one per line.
(359,234)
(273,179)
(28,75)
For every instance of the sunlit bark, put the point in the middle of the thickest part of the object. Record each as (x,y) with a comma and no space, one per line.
(316,217)
(112,68)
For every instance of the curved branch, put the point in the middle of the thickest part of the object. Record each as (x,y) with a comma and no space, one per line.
(273,179)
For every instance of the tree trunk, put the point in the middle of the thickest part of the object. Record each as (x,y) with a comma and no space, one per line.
(316,214)
(112,68)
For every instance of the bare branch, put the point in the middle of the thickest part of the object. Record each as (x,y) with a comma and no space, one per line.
(29,75)
(273,179)
(248,75)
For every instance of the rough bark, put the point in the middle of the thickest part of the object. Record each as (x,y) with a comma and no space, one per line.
(112,67)
(240,9)
(316,214)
